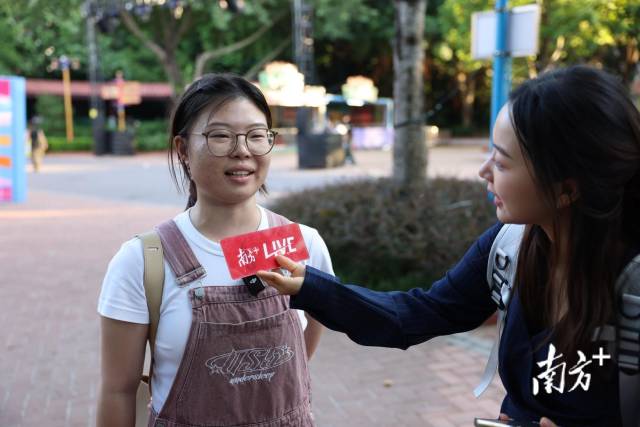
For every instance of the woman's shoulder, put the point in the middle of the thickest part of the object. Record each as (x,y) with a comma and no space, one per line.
(127,265)
(122,296)
(487,238)
(130,251)
(319,256)
(309,232)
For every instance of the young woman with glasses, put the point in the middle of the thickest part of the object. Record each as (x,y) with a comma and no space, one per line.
(223,356)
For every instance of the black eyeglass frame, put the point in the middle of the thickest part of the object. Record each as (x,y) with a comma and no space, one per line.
(235,145)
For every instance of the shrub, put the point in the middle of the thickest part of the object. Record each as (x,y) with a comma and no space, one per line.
(79,143)
(387,238)
(152,135)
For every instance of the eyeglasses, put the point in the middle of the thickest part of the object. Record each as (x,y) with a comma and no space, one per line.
(222,142)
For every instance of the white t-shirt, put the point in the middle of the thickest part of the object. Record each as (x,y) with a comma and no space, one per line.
(123,297)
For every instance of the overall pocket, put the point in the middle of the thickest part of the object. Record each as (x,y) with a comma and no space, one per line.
(245,373)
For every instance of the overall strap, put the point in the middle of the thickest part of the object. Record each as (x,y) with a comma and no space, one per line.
(275,219)
(501,272)
(178,254)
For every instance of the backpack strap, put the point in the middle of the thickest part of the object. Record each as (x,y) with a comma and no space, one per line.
(501,273)
(153,285)
(623,340)
(628,317)
(179,255)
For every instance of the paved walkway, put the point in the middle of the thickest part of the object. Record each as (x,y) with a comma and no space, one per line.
(54,252)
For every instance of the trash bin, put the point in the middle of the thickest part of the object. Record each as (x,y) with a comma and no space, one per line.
(316,150)
(101,137)
(122,143)
(321,150)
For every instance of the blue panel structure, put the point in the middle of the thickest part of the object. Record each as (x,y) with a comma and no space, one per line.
(13,177)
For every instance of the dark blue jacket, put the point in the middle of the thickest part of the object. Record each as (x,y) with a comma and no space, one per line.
(458,302)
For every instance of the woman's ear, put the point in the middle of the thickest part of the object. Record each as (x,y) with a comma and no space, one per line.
(181,148)
(569,193)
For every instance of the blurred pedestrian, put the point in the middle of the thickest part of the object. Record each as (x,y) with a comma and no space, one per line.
(344,128)
(37,141)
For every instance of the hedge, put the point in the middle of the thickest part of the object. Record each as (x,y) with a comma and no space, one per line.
(386,237)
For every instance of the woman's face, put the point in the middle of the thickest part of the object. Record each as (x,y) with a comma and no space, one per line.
(517,198)
(234,178)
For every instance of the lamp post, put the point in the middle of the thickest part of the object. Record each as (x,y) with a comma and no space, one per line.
(66,84)
(96,112)
(120,101)
(303,39)
(64,63)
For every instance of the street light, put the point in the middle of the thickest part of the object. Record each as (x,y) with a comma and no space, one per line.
(96,112)
(64,63)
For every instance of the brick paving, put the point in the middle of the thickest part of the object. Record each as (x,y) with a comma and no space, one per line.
(54,252)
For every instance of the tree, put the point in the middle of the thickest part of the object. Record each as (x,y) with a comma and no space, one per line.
(600,32)
(36,31)
(208,29)
(354,37)
(409,149)
(453,51)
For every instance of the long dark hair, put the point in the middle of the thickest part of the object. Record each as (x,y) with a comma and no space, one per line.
(209,91)
(578,123)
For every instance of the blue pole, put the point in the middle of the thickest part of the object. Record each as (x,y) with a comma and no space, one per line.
(501,64)
(501,84)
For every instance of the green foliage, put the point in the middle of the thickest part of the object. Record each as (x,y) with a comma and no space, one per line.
(51,109)
(37,31)
(467,131)
(599,32)
(354,38)
(389,238)
(351,37)
(79,143)
(152,135)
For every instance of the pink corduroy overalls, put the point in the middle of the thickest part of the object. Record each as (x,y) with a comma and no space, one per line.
(245,362)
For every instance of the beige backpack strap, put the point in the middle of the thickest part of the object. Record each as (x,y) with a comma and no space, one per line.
(153,282)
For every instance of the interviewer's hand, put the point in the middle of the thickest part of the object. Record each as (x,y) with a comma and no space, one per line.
(284,285)
(546,422)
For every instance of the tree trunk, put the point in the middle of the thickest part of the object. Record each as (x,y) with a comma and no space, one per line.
(631,56)
(409,149)
(467,88)
(172,69)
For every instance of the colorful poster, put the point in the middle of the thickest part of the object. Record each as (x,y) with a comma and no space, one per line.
(5,190)
(5,118)
(13,177)
(5,94)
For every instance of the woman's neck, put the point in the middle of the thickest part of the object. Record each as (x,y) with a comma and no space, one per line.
(217,221)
